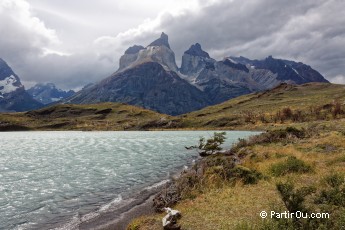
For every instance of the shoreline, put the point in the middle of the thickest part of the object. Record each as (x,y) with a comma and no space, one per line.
(142,205)
(119,219)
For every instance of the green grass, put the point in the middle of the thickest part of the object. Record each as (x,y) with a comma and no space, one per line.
(290,165)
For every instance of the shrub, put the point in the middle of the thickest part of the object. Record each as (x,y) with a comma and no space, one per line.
(273,136)
(335,194)
(290,165)
(247,176)
(293,200)
(287,113)
(211,145)
(337,109)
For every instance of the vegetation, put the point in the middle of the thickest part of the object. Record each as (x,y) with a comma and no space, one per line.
(290,169)
(290,165)
(273,109)
(211,145)
(103,116)
(298,164)
(279,107)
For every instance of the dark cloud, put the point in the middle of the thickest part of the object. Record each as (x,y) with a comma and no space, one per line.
(50,43)
(310,31)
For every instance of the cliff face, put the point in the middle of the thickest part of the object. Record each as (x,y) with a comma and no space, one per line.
(195,60)
(147,85)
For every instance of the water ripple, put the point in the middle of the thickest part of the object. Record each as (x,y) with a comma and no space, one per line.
(51,178)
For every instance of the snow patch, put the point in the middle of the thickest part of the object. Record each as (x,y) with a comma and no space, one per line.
(6,85)
(295,71)
(232,60)
(55,99)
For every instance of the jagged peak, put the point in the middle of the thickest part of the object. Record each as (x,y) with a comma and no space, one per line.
(162,41)
(196,50)
(134,49)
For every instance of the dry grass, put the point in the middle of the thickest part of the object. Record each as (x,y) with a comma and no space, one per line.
(280,107)
(238,207)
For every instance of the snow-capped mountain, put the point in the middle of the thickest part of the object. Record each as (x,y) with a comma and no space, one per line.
(13,96)
(48,93)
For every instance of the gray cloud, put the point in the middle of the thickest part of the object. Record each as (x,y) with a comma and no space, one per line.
(310,31)
(74,44)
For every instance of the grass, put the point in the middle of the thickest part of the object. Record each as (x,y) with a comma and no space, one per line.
(290,165)
(280,107)
(103,116)
(315,174)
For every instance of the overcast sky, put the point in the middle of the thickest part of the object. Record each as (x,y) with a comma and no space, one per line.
(78,42)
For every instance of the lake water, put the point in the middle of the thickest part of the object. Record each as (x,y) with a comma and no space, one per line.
(51,179)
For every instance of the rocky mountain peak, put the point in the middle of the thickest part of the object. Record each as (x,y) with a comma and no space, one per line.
(162,41)
(13,96)
(134,49)
(194,60)
(5,70)
(196,50)
(158,51)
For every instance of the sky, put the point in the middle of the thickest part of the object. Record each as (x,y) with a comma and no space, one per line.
(79,42)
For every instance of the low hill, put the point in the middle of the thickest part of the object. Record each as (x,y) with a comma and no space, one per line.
(104,116)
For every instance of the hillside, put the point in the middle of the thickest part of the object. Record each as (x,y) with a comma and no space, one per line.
(104,116)
(281,106)
(283,170)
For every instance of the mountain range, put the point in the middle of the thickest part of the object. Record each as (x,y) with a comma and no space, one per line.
(149,77)
(48,93)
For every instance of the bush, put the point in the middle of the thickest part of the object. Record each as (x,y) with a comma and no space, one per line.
(247,176)
(273,136)
(211,145)
(335,194)
(290,165)
(293,200)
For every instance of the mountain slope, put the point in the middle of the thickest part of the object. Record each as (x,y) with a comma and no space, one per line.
(283,104)
(148,78)
(13,96)
(147,85)
(201,81)
(233,77)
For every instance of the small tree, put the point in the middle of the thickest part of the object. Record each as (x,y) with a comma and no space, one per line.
(211,145)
